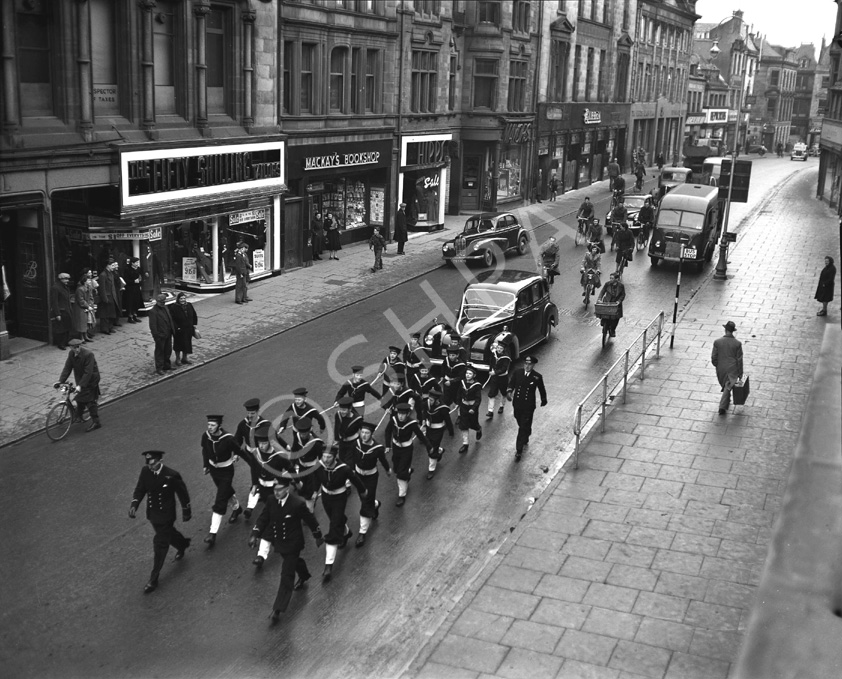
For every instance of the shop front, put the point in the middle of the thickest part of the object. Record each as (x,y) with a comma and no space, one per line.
(424,161)
(347,180)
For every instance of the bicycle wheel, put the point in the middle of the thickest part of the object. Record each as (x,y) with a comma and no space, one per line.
(59,420)
(580,237)
(588,293)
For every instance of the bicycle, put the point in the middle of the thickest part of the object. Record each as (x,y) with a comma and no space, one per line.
(582,230)
(623,263)
(590,285)
(643,235)
(606,311)
(62,415)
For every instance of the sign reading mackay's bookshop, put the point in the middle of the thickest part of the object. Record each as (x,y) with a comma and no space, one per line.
(158,175)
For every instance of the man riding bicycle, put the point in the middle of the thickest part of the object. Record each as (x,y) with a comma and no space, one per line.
(625,244)
(619,186)
(619,215)
(595,236)
(550,258)
(646,217)
(614,291)
(586,210)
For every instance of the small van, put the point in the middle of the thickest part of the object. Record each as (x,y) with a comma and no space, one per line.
(712,169)
(687,225)
(671,177)
(799,152)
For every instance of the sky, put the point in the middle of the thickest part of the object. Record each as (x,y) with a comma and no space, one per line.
(782,21)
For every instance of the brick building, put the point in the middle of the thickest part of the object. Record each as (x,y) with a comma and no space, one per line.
(830,161)
(775,88)
(805,75)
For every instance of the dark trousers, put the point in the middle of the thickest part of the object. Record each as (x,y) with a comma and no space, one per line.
(368,506)
(92,407)
(346,452)
(292,564)
(468,420)
(241,289)
(166,534)
(224,481)
(435,437)
(163,352)
(402,462)
(378,259)
(524,426)
(61,330)
(334,506)
(400,246)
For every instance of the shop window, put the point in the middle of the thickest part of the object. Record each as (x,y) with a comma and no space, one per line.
(286,88)
(346,200)
(451,83)
(520,16)
(104,58)
(220,49)
(489,11)
(163,50)
(421,193)
(508,178)
(307,83)
(428,7)
(485,83)
(338,69)
(372,62)
(424,81)
(33,58)
(559,56)
(517,85)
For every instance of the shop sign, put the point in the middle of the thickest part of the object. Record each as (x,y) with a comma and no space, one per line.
(517,133)
(341,160)
(162,175)
(258,261)
(431,182)
(555,113)
(732,116)
(315,187)
(105,94)
(427,152)
(189,272)
(695,120)
(591,117)
(716,115)
(155,233)
(150,234)
(247,216)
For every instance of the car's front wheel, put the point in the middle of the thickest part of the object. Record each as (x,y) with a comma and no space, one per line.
(522,243)
(550,327)
(487,258)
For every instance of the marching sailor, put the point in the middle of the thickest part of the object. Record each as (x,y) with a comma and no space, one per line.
(219,453)
(498,378)
(367,455)
(437,419)
(299,408)
(305,451)
(470,398)
(357,387)
(346,428)
(401,432)
(245,438)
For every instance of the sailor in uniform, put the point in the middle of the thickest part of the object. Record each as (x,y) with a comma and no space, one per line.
(219,453)
(469,398)
(244,436)
(436,420)
(401,433)
(357,387)
(367,455)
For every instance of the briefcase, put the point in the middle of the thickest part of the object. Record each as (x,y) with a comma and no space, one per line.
(741,391)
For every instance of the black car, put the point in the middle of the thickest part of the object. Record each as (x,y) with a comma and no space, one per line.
(486,236)
(512,308)
(633,203)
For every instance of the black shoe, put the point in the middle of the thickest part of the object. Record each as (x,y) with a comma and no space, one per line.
(151,586)
(301,582)
(94,425)
(61,347)
(489,415)
(518,455)
(179,555)
(184,361)
(501,409)
(400,501)
(336,258)
(479,433)
(210,540)
(431,474)
(235,515)
(247,514)
(159,372)
(248,299)
(360,540)
(722,411)
(258,562)
(276,615)
(463,449)
(327,572)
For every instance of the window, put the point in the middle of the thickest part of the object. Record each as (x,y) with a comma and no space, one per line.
(372,59)
(163,50)
(451,84)
(589,75)
(581,12)
(520,16)
(307,102)
(600,80)
(424,71)
(286,98)
(774,78)
(593,10)
(648,80)
(606,12)
(428,7)
(356,91)
(104,58)
(577,71)
(338,67)
(517,85)
(32,38)
(489,11)
(220,49)
(622,76)
(485,83)
(626,14)
(559,52)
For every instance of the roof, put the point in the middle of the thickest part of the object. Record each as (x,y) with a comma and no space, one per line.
(509,279)
(487,215)
(687,196)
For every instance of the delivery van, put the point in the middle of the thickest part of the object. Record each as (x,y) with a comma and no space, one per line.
(799,152)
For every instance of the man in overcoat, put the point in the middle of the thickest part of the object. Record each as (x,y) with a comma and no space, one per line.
(400,228)
(60,309)
(86,373)
(162,328)
(727,358)
(242,267)
(281,523)
(523,384)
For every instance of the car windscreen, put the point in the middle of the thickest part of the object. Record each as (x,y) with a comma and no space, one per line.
(482,303)
(477,225)
(679,219)
(634,202)
(674,176)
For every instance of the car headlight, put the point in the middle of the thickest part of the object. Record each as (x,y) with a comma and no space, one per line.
(657,243)
(428,341)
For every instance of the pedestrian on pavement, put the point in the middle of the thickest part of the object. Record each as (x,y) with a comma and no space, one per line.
(61,310)
(302,454)
(106,308)
(242,266)
(299,408)
(317,235)
(614,291)
(92,285)
(346,428)
(82,363)
(523,384)
(613,173)
(436,420)
(162,327)
(184,320)
(133,295)
(401,431)
(553,188)
(335,477)
(266,465)
(498,377)
(470,400)
(727,358)
(367,454)
(83,308)
(400,228)
(659,161)
(120,287)
(356,387)
(332,236)
(378,244)
(827,281)
(219,453)
(281,523)
(160,485)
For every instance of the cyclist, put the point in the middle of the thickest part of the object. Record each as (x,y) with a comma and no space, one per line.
(639,174)
(595,236)
(619,215)
(625,244)
(550,258)
(646,217)
(592,260)
(585,212)
(614,291)
(619,186)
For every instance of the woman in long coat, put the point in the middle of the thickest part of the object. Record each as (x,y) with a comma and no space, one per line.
(184,319)
(106,309)
(83,308)
(827,280)
(333,244)
(133,295)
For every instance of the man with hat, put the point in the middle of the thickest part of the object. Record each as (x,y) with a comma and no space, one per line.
(241,267)
(498,376)
(392,365)
(470,397)
(367,454)
(106,308)
(219,453)
(266,465)
(397,392)
(281,524)
(401,235)
(727,358)
(522,387)
(401,432)
(452,372)
(437,419)
(160,485)
(162,329)
(356,387)
(304,452)
(300,408)
(346,429)
(60,310)
(82,363)
(422,383)
(413,356)
(245,438)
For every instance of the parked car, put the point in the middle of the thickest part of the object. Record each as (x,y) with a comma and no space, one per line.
(671,177)
(510,307)
(759,149)
(799,152)
(815,150)
(485,237)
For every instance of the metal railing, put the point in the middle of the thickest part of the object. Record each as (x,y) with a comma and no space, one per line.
(595,403)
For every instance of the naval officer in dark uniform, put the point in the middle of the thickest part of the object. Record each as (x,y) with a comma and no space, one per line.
(523,384)
(160,485)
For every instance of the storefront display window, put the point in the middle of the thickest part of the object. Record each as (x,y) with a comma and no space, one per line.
(421,193)
(347,201)
(508,179)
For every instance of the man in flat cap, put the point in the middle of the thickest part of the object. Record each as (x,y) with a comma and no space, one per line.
(400,232)
(219,453)
(356,387)
(82,363)
(367,454)
(244,436)
(160,485)
(281,524)
(61,311)
(727,358)
(401,433)
(299,408)
(242,268)
(523,384)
